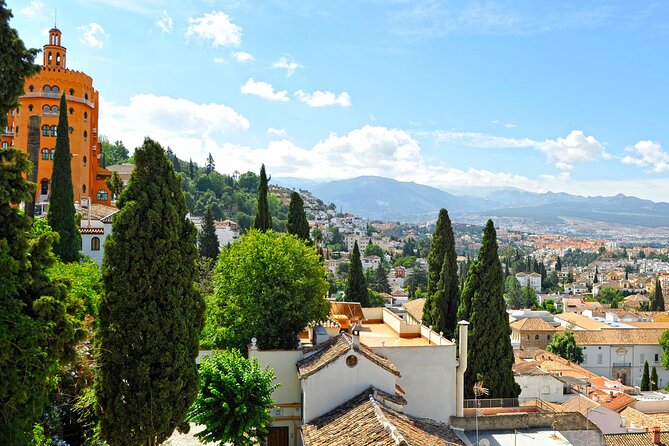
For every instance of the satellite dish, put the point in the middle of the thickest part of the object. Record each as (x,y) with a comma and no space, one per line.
(484,442)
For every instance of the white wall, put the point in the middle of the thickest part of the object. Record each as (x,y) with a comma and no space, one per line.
(545,387)
(285,371)
(428,378)
(338,383)
(610,356)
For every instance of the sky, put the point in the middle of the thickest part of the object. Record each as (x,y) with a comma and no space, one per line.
(539,95)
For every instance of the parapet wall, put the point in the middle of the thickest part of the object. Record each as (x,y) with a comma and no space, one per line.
(558,421)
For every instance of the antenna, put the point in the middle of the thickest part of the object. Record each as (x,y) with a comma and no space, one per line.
(55,18)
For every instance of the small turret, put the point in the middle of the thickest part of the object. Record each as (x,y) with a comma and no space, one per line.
(54,52)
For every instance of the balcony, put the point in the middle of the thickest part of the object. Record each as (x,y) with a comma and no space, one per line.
(622,364)
(50,95)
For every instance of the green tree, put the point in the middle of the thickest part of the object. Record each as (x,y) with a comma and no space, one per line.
(263,220)
(529,297)
(513,293)
(645,378)
(151,314)
(653,379)
(482,304)
(416,281)
(596,278)
(380,281)
(207,239)
(234,399)
(115,184)
(664,344)
(373,249)
(61,213)
(564,345)
(38,327)
(210,166)
(356,285)
(297,220)
(558,264)
(17,63)
(113,153)
(657,302)
(191,169)
(269,285)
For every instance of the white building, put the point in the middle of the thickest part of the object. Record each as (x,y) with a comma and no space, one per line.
(532,280)
(95,226)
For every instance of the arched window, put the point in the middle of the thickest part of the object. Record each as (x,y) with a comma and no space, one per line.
(84,161)
(54,130)
(103,195)
(55,92)
(45,154)
(85,116)
(86,96)
(47,91)
(46,110)
(53,153)
(4,144)
(44,186)
(30,108)
(54,111)
(50,57)
(71,91)
(71,130)
(83,188)
(31,88)
(45,130)
(71,110)
(95,244)
(57,58)
(85,135)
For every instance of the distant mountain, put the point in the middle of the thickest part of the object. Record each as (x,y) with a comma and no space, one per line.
(387,199)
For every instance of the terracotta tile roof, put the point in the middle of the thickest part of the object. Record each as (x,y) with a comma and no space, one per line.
(92,230)
(415,308)
(327,352)
(579,403)
(581,321)
(619,336)
(641,419)
(97,211)
(635,439)
(662,325)
(555,364)
(364,420)
(532,324)
(618,401)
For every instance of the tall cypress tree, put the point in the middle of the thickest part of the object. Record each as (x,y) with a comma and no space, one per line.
(210,166)
(263,220)
(356,286)
(191,169)
(297,220)
(558,264)
(435,260)
(645,378)
(653,379)
(446,298)
(208,240)
(151,314)
(657,303)
(482,304)
(61,211)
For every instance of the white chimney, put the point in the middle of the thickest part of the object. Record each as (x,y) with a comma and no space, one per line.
(461,369)
(355,335)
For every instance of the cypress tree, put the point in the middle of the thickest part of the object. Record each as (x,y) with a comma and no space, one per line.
(657,303)
(435,260)
(210,166)
(151,314)
(208,240)
(61,213)
(356,286)
(263,220)
(297,220)
(558,264)
(645,378)
(191,169)
(482,304)
(381,284)
(446,298)
(596,278)
(653,379)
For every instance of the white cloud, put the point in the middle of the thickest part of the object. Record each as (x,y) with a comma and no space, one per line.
(219,60)
(278,132)
(575,147)
(92,35)
(648,154)
(241,56)
(215,27)
(284,63)
(264,90)
(171,121)
(510,125)
(324,98)
(33,9)
(165,23)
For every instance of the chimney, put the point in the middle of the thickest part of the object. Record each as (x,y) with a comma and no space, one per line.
(355,335)
(461,369)
(656,435)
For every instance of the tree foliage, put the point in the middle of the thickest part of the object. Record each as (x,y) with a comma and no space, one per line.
(564,345)
(657,302)
(379,282)
(115,184)
(356,285)
(373,249)
(151,314)
(269,285)
(38,326)
(112,154)
(482,303)
(513,293)
(234,399)
(17,64)
(297,220)
(664,345)
(263,219)
(446,298)
(653,379)
(207,239)
(61,213)
(645,378)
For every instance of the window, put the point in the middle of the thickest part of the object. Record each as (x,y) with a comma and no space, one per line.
(528,337)
(84,161)
(85,116)
(55,92)
(103,195)
(46,110)
(57,58)
(45,154)
(71,130)
(83,188)
(600,359)
(50,57)
(30,108)
(536,338)
(548,338)
(85,135)
(95,244)
(53,152)
(71,91)
(71,111)
(4,144)
(44,187)
(45,130)
(642,358)
(31,88)
(54,130)
(54,111)
(47,90)
(86,96)
(657,359)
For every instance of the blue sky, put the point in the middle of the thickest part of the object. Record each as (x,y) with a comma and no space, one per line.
(540,95)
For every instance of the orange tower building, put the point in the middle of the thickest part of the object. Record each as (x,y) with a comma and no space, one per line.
(42,97)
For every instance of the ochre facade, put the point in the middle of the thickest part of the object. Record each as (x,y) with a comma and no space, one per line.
(42,97)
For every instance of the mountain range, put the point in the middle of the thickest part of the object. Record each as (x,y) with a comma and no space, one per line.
(380,198)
